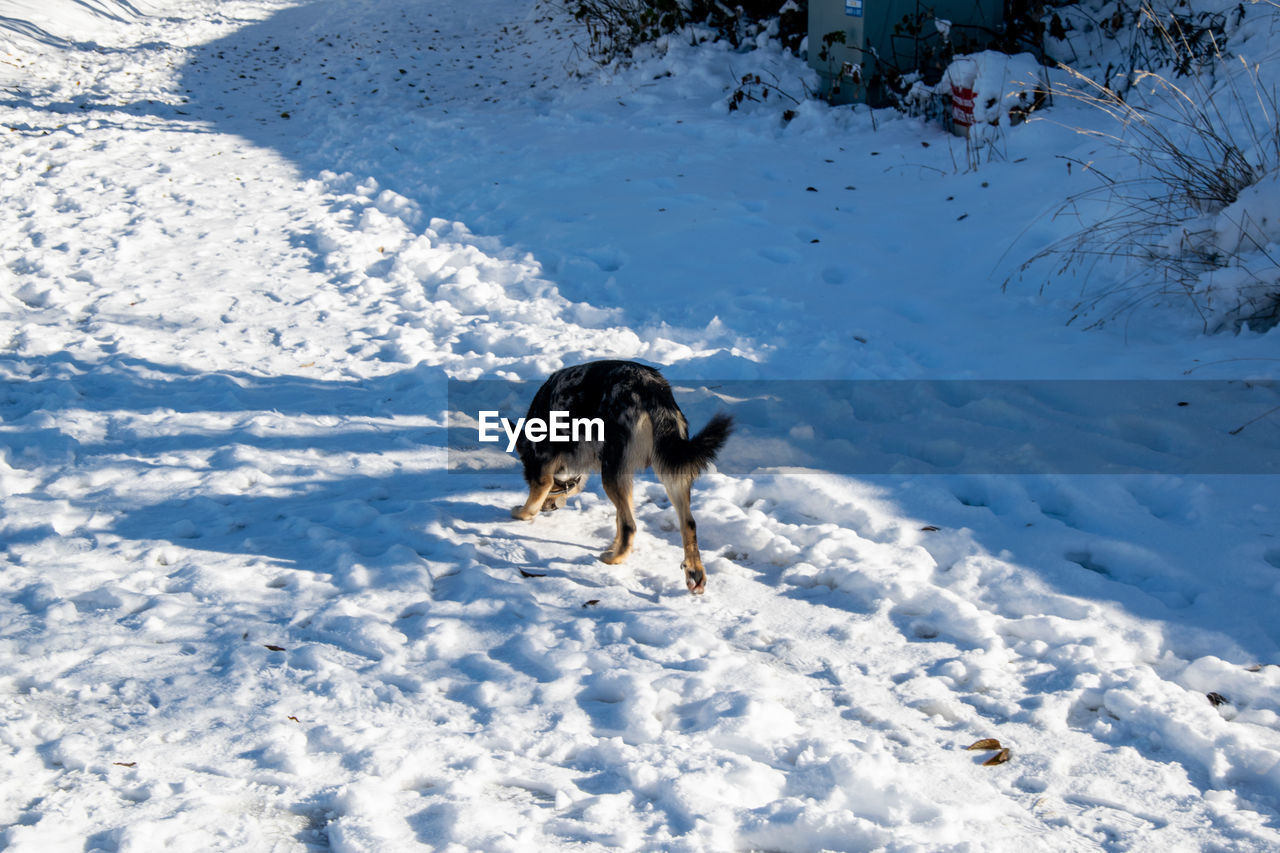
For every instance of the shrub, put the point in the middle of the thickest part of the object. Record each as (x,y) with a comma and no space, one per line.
(1198,222)
(615,28)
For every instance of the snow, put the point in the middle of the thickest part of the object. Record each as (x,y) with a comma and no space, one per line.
(248,605)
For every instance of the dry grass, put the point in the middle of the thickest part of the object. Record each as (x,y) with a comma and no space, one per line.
(1196,147)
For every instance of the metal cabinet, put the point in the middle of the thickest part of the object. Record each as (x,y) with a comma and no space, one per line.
(857,45)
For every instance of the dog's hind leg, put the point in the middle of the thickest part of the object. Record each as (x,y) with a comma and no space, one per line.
(539,488)
(695,576)
(618,487)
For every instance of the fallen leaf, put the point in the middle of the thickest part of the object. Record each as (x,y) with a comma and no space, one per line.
(930,528)
(591,603)
(999,758)
(985,743)
(295,719)
(525,574)
(1216,699)
(276,648)
(125,763)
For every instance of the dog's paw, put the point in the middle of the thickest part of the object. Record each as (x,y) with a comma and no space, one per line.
(522,514)
(613,557)
(695,577)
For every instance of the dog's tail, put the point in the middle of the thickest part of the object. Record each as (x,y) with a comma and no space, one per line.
(680,457)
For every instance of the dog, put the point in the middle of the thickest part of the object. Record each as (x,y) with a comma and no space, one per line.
(642,427)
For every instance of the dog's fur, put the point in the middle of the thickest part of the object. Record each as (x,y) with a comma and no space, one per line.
(643,426)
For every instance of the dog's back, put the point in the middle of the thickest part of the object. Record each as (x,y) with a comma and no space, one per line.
(642,426)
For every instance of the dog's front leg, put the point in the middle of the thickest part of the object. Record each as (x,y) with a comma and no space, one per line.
(619,491)
(538,491)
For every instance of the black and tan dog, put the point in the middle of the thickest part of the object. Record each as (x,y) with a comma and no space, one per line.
(643,426)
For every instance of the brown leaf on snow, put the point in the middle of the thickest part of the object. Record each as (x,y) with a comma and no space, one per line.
(999,758)
(985,743)
(929,528)
(525,574)
(275,648)
(125,763)
(591,603)
(1216,699)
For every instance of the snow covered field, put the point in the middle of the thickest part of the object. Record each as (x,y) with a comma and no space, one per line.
(246,604)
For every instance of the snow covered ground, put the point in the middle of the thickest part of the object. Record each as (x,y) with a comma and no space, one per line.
(246,604)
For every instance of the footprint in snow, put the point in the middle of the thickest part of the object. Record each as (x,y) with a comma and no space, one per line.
(1085,560)
(779,255)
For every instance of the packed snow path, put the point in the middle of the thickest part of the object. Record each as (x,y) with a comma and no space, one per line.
(246,606)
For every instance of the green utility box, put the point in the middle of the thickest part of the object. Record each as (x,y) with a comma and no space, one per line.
(861,46)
